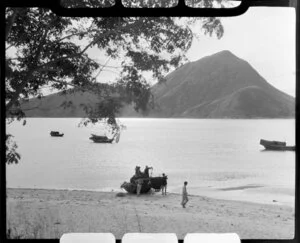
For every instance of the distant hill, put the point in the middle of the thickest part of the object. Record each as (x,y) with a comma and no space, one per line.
(59,105)
(218,86)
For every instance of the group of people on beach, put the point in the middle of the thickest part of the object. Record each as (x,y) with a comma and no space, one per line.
(139,176)
(144,174)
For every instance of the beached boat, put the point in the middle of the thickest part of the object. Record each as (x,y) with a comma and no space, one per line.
(56,134)
(148,183)
(101,139)
(276,145)
(131,187)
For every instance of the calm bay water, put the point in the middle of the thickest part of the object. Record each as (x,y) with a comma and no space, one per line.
(219,158)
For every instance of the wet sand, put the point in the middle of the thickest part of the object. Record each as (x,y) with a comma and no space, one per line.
(40,213)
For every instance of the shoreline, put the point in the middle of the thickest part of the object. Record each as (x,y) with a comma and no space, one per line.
(48,213)
(215,193)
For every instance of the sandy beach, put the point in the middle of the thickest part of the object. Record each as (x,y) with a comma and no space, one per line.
(41,213)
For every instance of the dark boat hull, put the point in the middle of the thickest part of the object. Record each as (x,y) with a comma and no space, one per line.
(95,140)
(280,148)
(101,139)
(276,145)
(131,187)
(148,183)
(56,134)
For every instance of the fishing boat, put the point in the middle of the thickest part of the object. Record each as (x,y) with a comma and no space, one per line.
(56,134)
(148,183)
(105,139)
(101,139)
(276,145)
(131,187)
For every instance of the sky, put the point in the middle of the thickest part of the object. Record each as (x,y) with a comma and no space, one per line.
(263,36)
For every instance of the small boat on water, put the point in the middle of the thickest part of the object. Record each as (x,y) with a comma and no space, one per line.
(276,145)
(101,139)
(56,134)
(105,139)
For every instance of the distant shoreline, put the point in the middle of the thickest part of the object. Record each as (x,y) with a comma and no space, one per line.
(192,193)
(114,191)
(62,211)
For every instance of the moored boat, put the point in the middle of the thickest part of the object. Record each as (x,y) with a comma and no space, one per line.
(101,139)
(276,145)
(56,134)
(105,139)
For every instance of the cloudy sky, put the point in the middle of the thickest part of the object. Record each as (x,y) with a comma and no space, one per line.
(263,36)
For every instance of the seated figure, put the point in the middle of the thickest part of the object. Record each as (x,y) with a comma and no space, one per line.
(138,172)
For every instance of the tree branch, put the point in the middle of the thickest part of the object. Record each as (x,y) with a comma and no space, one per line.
(11,21)
(41,67)
(101,69)
(29,75)
(92,43)
(75,34)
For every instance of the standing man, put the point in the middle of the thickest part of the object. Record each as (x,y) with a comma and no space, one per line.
(164,184)
(146,171)
(184,195)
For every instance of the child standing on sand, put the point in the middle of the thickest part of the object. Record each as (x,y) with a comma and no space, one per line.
(184,195)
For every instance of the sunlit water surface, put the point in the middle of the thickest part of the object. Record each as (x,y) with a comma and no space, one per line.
(218,158)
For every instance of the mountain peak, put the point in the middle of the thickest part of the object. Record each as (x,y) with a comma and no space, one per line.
(217,86)
(225,53)
(224,56)
(221,85)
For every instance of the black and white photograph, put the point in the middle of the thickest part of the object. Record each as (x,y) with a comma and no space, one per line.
(150,124)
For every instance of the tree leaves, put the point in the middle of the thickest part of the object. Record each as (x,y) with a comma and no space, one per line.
(213,25)
(49,52)
(12,157)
